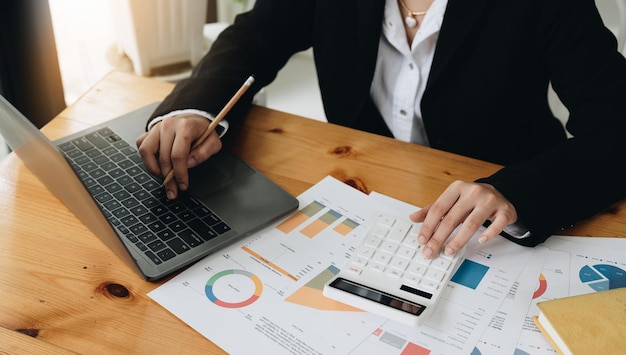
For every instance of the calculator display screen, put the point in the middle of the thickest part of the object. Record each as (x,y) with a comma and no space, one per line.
(377,296)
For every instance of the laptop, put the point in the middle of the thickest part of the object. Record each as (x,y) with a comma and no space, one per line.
(98,174)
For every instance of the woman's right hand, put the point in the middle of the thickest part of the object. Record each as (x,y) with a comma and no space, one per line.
(167,145)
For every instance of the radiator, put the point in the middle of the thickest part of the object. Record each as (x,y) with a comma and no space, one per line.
(160,33)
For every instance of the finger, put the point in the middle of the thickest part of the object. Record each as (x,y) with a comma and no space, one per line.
(436,213)
(419,215)
(179,156)
(166,140)
(446,227)
(501,217)
(495,228)
(148,146)
(171,189)
(140,139)
(469,226)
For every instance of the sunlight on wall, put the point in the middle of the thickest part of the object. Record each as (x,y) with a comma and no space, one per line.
(85,40)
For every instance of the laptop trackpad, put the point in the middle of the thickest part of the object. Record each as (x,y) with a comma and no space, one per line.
(217,173)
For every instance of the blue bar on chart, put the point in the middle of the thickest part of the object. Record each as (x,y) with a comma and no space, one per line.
(470,274)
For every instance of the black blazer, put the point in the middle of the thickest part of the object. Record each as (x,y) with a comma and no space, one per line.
(486,96)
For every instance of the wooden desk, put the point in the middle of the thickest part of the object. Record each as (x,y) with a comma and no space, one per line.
(62,286)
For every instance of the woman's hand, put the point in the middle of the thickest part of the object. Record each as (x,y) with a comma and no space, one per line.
(464,204)
(168,144)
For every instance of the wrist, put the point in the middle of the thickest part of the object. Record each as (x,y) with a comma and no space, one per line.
(221,129)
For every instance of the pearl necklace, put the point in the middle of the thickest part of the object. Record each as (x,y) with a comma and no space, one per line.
(411,17)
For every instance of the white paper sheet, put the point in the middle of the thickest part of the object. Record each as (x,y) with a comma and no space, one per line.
(264,294)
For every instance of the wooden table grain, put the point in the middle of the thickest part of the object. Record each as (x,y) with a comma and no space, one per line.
(63,291)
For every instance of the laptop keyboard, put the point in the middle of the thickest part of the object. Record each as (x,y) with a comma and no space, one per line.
(134,201)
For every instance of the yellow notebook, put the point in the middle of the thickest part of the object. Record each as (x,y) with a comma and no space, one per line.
(593,323)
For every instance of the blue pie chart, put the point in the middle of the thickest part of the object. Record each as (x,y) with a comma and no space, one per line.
(601,277)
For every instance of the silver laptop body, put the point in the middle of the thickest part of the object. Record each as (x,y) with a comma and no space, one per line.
(98,175)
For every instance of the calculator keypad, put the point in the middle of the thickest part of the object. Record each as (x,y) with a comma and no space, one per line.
(391,248)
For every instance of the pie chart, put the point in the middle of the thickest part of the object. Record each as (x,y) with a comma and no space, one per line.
(233,288)
(602,277)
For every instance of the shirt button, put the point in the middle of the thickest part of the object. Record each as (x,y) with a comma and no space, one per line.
(403,112)
(411,66)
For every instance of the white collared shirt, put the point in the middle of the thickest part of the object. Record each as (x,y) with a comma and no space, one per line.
(402,71)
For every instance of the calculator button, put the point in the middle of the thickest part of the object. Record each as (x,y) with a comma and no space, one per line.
(429,284)
(377,267)
(399,263)
(365,251)
(435,275)
(414,231)
(359,261)
(382,258)
(421,259)
(399,231)
(386,221)
(406,252)
(379,231)
(411,279)
(411,241)
(417,269)
(442,263)
(389,247)
(372,241)
(394,273)
(446,257)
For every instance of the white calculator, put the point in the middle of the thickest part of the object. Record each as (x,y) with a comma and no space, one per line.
(387,274)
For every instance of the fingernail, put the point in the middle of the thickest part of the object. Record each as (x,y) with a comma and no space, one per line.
(449,251)
(482,239)
(170,195)
(421,239)
(428,252)
(191,162)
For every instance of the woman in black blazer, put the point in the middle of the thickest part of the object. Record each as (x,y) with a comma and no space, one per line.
(486,97)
